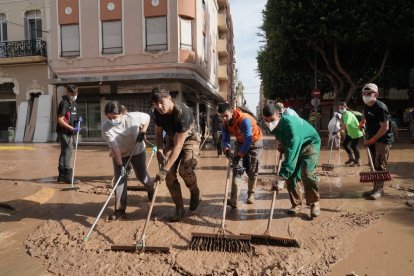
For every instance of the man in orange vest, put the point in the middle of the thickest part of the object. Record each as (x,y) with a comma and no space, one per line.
(248,149)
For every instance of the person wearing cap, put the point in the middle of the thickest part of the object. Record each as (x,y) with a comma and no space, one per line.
(248,149)
(67,126)
(178,150)
(285,111)
(124,133)
(333,128)
(302,145)
(379,137)
(349,122)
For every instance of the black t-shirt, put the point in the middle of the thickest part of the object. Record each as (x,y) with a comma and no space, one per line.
(68,110)
(374,115)
(181,120)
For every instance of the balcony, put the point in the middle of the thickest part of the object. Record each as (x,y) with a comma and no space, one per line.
(222,72)
(23,51)
(221,22)
(222,47)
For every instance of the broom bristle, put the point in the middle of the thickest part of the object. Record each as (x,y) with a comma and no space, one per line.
(220,243)
(275,241)
(375,176)
(328,167)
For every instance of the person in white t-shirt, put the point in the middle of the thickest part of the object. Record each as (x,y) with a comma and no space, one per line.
(333,126)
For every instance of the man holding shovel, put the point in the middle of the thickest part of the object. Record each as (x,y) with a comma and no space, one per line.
(301,145)
(178,150)
(379,137)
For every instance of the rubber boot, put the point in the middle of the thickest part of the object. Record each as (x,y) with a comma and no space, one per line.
(356,163)
(235,192)
(370,192)
(379,192)
(61,177)
(177,197)
(250,193)
(315,210)
(351,159)
(194,197)
(67,178)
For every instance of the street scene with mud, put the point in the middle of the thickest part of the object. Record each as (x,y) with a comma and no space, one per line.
(42,227)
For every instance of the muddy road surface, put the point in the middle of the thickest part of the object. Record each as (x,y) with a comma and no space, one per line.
(42,227)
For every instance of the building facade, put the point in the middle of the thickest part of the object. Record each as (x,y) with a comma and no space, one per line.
(120,50)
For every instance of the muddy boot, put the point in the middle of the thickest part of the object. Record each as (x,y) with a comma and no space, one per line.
(294,210)
(356,163)
(117,214)
(379,191)
(177,197)
(195,198)
(67,178)
(233,201)
(250,194)
(368,193)
(150,189)
(315,210)
(351,159)
(61,176)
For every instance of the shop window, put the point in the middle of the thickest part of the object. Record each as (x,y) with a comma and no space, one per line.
(156,34)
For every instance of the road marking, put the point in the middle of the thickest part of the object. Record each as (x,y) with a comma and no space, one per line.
(38,198)
(17,148)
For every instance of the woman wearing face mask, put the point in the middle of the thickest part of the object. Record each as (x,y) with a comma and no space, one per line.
(301,145)
(66,127)
(122,131)
(379,137)
(349,122)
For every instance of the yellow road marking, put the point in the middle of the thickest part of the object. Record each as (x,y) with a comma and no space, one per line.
(41,196)
(16,148)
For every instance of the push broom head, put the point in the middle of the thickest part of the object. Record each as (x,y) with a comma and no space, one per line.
(70,188)
(220,242)
(375,176)
(274,241)
(328,167)
(136,249)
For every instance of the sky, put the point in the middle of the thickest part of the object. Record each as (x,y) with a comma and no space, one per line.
(247,18)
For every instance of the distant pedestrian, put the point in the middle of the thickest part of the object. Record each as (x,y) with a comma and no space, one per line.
(216,129)
(203,124)
(349,122)
(285,111)
(67,118)
(334,126)
(376,119)
(122,131)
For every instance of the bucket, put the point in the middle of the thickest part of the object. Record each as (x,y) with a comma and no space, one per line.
(10,134)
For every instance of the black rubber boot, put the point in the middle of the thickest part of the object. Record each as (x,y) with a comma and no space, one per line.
(379,192)
(61,176)
(351,159)
(117,214)
(195,198)
(177,197)
(68,177)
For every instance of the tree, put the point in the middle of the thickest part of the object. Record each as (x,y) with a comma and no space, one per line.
(348,43)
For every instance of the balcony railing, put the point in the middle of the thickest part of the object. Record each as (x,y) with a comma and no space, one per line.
(23,48)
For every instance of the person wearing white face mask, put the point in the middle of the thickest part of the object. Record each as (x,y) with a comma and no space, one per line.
(122,132)
(379,137)
(66,127)
(301,144)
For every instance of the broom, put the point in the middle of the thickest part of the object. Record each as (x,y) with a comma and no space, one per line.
(221,241)
(267,238)
(329,166)
(373,175)
(141,246)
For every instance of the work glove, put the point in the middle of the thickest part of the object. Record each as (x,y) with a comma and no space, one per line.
(80,119)
(362,124)
(141,136)
(76,129)
(279,184)
(235,160)
(228,154)
(370,141)
(162,174)
(161,158)
(122,170)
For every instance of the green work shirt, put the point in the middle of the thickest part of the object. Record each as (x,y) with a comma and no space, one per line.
(351,123)
(294,133)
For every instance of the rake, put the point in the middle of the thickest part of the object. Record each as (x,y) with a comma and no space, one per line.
(373,175)
(266,238)
(221,241)
(141,246)
(328,166)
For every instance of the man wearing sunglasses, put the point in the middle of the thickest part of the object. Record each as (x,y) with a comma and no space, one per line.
(379,137)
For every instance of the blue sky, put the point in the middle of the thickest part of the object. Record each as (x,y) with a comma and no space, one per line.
(247,17)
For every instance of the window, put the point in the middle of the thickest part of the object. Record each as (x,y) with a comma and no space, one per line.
(186,34)
(3,27)
(70,40)
(112,37)
(33,25)
(156,34)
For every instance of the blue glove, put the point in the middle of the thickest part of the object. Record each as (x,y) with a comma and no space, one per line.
(80,119)
(141,136)
(122,170)
(76,129)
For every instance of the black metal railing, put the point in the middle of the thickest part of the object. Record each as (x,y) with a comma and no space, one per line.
(23,48)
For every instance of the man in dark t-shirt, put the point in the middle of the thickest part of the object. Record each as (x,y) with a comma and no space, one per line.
(379,136)
(66,126)
(178,150)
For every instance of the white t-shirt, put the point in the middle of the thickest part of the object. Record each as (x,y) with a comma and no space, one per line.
(334,124)
(124,135)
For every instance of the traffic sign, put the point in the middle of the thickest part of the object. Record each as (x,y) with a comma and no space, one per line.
(316,93)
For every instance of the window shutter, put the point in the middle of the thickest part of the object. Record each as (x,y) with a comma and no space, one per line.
(112,37)
(156,33)
(186,34)
(70,40)
(38,28)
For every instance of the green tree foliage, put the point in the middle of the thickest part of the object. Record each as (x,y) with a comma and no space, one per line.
(348,43)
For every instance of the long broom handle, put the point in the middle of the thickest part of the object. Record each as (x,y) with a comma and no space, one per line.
(333,139)
(74,159)
(144,230)
(226,190)
(371,163)
(109,197)
(272,206)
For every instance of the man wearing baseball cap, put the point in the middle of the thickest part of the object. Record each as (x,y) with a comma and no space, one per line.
(379,137)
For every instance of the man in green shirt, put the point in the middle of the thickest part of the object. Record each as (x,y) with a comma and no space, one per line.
(301,145)
(350,122)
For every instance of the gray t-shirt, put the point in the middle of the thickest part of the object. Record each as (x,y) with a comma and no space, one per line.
(124,135)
